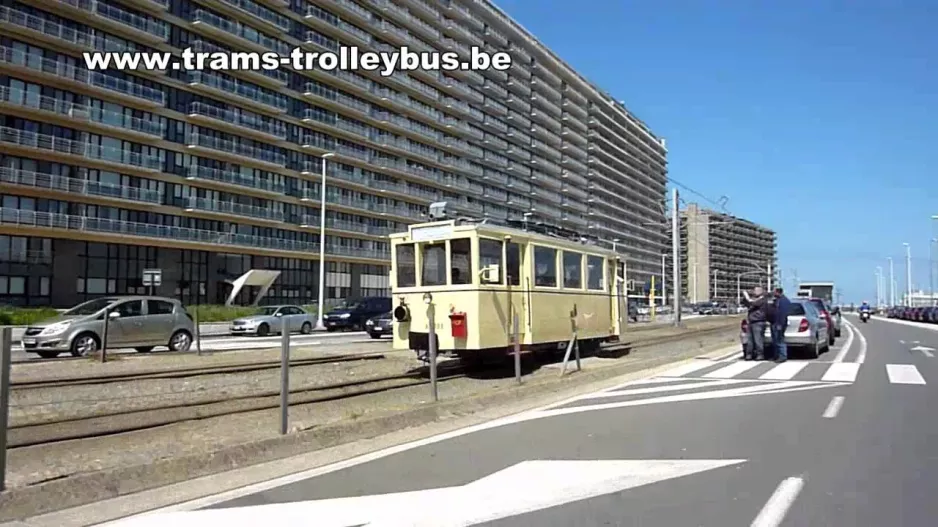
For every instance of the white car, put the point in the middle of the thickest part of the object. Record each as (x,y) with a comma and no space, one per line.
(807,329)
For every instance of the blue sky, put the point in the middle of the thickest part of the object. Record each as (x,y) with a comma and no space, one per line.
(817,119)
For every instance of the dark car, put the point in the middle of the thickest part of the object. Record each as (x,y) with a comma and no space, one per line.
(352,314)
(380,325)
(832,316)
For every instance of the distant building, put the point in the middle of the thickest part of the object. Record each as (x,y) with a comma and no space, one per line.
(718,249)
(920,299)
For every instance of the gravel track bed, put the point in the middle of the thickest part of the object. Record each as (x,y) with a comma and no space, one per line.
(34,464)
(32,406)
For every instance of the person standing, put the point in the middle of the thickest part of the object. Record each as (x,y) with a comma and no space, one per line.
(755,317)
(780,324)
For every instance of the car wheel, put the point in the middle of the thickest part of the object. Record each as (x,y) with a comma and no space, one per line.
(85,344)
(837,333)
(263,330)
(814,351)
(374,335)
(180,341)
(307,328)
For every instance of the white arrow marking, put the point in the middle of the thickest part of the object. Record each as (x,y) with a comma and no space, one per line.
(926,351)
(520,489)
(901,342)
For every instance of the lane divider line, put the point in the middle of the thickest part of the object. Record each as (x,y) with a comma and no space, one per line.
(774,511)
(842,354)
(834,407)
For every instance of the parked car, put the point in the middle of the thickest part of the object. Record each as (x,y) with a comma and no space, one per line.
(380,325)
(139,322)
(352,314)
(269,319)
(807,328)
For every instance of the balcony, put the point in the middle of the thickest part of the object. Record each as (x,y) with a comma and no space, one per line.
(228,87)
(261,14)
(197,172)
(171,235)
(154,6)
(113,121)
(355,227)
(43,181)
(142,27)
(236,149)
(228,208)
(41,26)
(49,143)
(353,8)
(239,121)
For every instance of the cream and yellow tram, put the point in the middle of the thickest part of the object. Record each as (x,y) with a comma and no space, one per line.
(476,277)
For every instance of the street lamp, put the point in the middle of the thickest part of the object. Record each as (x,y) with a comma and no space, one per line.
(322,244)
(892,283)
(931,271)
(879,286)
(908,273)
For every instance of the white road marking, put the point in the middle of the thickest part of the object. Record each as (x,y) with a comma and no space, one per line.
(925,350)
(904,374)
(784,371)
(928,353)
(777,507)
(547,483)
(732,370)
(922,325)
(901,342)
(842,372)
(659,389)
(842,354)
(683,370)
(834,407)
(861,357)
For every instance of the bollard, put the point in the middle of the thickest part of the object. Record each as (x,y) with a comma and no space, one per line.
(284,375)
(198,332)
(517,343)
(431,352)
(107,323)
(6,357)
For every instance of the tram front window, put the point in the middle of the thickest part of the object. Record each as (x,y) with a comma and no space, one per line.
(433,270)
(462,261)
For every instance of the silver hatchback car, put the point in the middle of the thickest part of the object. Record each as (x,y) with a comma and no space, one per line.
(139,322)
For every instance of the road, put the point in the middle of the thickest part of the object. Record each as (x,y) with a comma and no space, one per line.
(232,343)
(846,439)
(240,343)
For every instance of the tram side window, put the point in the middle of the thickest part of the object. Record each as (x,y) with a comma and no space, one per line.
(490,253)
(513,255)
(406,266)
(572,270)
(594,272)
(545,267)
(462,261)
(434,264)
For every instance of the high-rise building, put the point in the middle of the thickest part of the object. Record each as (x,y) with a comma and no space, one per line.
(206,175)
(719,251)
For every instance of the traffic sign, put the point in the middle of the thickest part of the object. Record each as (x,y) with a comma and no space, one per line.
(152,277)
(545,484)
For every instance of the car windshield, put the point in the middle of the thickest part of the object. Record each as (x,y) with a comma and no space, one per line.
(266,311)
(349,305)
(89,308)
(819,304)
(795,309)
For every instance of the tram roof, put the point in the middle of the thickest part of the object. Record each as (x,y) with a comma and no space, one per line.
(538,232)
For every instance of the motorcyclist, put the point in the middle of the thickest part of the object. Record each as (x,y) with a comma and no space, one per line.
(865,306)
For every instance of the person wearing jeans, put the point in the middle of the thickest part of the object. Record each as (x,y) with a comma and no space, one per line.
(780,324)
(756,316)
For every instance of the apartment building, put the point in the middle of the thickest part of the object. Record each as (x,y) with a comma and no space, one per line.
(206,175)
(718,249)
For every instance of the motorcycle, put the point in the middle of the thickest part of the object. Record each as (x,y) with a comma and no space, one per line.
(864,316)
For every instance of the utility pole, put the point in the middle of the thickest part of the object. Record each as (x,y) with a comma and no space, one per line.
(892,283)
(664,282)
(676,255)
(879,285)
(715,290)
(908,273)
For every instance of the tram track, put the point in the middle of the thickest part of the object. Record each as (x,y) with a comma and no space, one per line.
(205,405)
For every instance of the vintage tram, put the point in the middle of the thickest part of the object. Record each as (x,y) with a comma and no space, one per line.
(477,280)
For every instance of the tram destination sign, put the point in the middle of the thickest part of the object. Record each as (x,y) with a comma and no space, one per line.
(432,232)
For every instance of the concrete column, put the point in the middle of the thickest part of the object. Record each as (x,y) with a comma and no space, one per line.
(66,267)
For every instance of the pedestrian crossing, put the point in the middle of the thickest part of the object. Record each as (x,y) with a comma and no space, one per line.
(815,371)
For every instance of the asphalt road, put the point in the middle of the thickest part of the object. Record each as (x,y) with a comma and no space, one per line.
(232,343)
(847,439)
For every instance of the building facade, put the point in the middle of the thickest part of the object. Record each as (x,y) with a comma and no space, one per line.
(718,251)
(206,175)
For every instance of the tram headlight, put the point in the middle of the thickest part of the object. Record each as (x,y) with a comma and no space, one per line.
(401,313)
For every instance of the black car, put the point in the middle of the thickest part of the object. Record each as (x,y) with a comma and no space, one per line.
(352,314)
(380,325)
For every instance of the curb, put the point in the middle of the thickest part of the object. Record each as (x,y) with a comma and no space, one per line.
(86,488)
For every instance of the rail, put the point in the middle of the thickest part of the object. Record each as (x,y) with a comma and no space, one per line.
(99,415)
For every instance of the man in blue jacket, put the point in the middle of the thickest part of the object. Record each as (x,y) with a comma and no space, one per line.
(780,324)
